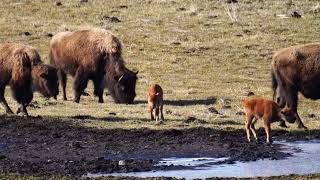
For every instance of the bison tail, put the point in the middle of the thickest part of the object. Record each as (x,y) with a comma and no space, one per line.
(21,80)
(50,57)
(274,84)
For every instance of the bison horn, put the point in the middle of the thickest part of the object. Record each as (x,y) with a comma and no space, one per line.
(136,72)
(120,78)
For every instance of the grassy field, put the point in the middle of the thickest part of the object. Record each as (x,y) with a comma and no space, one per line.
(200,55)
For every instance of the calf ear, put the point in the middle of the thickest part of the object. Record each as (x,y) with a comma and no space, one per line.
(44,75)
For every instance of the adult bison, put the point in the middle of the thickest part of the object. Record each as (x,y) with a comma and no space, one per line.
(296,69)
(21,68)
(92,54)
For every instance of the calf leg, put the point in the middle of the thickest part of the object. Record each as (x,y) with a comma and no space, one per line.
(267,128)
(80,83)
(157,113)
(253,129)
(151,112)
(161,111)
(4,102)
(63,81)
(247,126)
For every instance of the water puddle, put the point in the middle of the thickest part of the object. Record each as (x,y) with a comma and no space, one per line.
(305,160)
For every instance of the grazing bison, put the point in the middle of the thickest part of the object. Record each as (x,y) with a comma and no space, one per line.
(296,69)
(15,70)
(269,111)
(45,80)
(92,54)
(22,69)
(155,101)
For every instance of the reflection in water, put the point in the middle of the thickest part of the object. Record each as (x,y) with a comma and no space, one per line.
(305,160)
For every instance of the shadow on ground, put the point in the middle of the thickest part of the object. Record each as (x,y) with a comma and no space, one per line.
(185,102)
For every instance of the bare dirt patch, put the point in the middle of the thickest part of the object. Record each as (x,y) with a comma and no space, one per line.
(52,146)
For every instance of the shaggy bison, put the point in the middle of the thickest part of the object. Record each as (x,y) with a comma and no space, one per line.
(269,111)
(22,69)
(296,69)
(92,54)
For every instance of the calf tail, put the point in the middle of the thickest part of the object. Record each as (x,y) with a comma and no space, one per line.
(21,80)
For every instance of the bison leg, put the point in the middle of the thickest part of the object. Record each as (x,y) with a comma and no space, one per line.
(4,102)
(23,109)
(80,83)
(98,89)
(63,81)
(292,102)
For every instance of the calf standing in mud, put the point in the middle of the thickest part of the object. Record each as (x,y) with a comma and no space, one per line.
(269,111)
(155,101)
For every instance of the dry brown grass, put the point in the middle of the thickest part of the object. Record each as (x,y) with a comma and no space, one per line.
(191,48)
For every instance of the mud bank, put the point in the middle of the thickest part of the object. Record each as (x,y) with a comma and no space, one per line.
(52,146)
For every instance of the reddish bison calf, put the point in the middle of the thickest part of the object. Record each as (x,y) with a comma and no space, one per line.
(268,110)
(296,69)
(155,101)
(22,69)
(92,54)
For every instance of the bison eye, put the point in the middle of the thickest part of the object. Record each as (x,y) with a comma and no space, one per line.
(122,88)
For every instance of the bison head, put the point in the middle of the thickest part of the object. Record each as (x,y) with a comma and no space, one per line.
(122,88)
(45,80)
(288,115)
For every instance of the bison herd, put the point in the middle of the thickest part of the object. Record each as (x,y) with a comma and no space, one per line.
(91,54)
(96,54)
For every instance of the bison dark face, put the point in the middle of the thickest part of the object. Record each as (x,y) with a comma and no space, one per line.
(122,89)
(45,80)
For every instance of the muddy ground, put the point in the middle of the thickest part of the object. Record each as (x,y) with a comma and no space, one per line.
(51,146)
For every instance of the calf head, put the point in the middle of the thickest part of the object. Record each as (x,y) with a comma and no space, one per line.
(45,80)
(288,115)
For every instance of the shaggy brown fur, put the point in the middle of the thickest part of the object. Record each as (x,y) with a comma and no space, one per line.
(87,55)
(15,70)
(296,69)
(155,101)
(45,80)
(269,111)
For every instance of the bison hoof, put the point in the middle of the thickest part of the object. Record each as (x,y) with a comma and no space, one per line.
(9,111)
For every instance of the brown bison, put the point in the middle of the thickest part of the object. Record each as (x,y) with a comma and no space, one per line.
(266,110)
(92,54)
(155,101)
(296,69)
(45,80)
(22,69)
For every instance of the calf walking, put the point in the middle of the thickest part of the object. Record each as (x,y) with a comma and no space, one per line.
(155,101)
